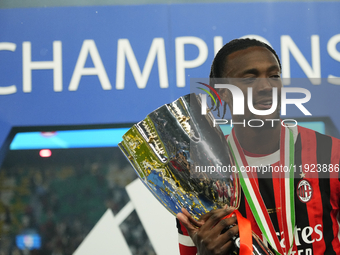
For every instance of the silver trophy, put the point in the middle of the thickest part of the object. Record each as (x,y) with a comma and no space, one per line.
(183,159)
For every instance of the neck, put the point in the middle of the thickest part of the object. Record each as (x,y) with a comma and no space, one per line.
(259,140)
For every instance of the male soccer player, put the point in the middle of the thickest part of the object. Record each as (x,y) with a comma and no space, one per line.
(292,217)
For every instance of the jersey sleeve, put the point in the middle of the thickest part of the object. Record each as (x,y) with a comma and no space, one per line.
(186,245)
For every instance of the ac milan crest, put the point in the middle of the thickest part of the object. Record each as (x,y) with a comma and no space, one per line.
(304,191)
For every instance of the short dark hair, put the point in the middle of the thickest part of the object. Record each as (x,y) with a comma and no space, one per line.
(220,61)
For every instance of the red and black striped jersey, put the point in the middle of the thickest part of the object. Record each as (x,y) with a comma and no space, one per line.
(316,192)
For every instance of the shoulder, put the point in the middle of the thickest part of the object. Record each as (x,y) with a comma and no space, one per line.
(312,134)
(311,140)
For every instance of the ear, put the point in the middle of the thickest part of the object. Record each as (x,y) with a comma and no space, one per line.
(225,95)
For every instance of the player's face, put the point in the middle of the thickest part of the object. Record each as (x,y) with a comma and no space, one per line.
(258,68)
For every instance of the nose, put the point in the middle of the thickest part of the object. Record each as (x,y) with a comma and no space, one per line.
(264,85)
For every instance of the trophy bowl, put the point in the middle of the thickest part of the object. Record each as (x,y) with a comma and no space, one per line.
(182,157)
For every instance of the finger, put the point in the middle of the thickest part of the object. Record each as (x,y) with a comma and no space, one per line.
(225,224)
(222,226)
(228,235)
(218,243)
(216,216)
(191,219)
(187,223)
(205,217)
(230,207)
(227,247)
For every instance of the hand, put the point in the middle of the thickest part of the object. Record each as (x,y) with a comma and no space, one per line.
(206,233)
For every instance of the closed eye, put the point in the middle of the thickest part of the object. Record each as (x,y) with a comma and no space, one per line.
(275,77)
(248,80)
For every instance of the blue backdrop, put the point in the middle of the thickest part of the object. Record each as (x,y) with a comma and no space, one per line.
(161,47)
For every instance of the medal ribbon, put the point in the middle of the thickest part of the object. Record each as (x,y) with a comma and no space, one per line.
(244,230)
(254,198)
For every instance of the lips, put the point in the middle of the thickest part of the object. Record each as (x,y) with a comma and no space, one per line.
(264,104)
